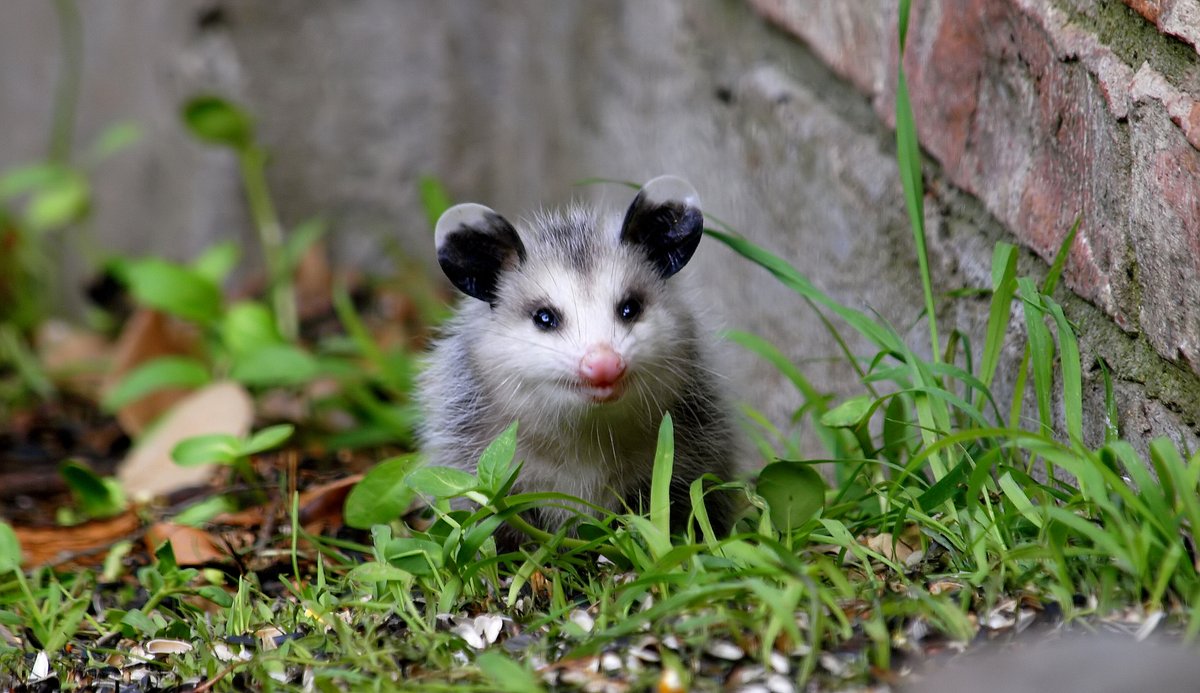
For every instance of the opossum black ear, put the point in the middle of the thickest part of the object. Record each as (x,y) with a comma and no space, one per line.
(474,244)
(665,219)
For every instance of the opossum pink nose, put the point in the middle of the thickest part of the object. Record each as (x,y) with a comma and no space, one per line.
(601,366)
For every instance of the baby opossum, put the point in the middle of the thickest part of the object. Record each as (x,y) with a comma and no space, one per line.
(579,334)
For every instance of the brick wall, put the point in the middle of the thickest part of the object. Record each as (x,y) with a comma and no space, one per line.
(1045,110)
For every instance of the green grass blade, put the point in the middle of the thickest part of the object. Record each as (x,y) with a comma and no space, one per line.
(660,483)
(1069,367)
(1041,348)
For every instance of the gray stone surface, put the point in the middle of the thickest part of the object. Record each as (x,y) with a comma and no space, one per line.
(510,104)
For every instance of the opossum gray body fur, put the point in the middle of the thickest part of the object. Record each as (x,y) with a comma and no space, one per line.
(579,332)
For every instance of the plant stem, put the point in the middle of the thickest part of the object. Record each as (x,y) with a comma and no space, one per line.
(270,236)
(66,93)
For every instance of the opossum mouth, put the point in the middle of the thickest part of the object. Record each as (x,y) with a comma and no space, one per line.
(602,394)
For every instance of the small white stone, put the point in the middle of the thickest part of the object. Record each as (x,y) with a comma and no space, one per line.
(780,663)
(41,668)
(778,683)
(583,619)
(472,637)
(488,626)
(610,662)
(723,649)
(167,646)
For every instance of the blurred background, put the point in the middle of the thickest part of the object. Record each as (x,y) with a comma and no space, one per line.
(778,111)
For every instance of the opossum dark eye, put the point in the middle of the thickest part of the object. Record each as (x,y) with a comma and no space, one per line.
(545,319)
(629,309)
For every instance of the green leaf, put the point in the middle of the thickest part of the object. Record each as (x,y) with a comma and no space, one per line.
(496,460)
(215,448)
(382,495)
(63,200)
(794,491)
(1071,369)
(248,326)
(270,437)
(174,289)
(205,510)
(434,198)
(300,240)
(417,556)
(442,482)
(378,572)
(10,549)
(275,365)
(506,675)
(98,497)
(216,121)
(215,263)
(27,178)
(849,414)
(154,375)
(115,137)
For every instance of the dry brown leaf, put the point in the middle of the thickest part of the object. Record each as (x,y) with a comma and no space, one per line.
(148,471)
(83,542)
(192,546)
(75,358)
(891,548)
(148,335)
(324,503)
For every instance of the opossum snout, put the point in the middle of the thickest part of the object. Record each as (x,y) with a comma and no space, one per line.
(601,366)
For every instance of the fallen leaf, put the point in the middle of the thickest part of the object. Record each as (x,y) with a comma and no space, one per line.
(148,335)
(43,545)
(891,548)
(75,358)
(192,546)
(148,471)
(324,503)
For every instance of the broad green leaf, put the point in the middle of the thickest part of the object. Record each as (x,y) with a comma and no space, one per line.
(794,491)
(247,327)
(154,375)
(300,240)
(382,495)
(378,572)
(497,459)
(417,556)
(97,497)
(218,448)
(174,289)
(10,549)
(441,482)
(115,137)
(215,263)
(275,365)
(28,178)
(270,437)
(849,414)
(62,201)
(506,675)
(205,510)
(217,121)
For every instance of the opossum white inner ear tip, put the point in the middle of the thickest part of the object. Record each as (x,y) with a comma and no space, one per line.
(467,214)
(670,188)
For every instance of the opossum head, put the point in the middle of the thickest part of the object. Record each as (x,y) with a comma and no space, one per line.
(576,309)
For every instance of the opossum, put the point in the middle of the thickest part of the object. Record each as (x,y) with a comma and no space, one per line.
(574,327)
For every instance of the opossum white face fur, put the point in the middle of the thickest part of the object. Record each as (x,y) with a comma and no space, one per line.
(578,332)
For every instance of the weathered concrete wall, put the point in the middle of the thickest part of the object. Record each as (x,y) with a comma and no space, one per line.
(511,103)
